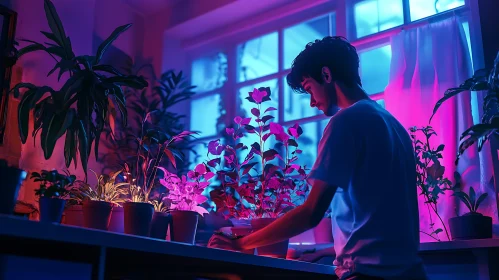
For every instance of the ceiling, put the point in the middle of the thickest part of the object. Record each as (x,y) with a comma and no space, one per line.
(147,7)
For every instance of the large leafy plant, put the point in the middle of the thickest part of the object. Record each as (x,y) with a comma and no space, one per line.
(430,175)
(80,108)
(478,133)
(155,105)
(53,184)
(264,182)
(154,145)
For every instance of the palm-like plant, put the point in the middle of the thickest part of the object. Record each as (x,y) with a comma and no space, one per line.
(147,112)
(481,80)
(80,109)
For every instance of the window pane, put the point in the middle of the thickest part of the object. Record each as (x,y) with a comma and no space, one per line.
(209,73)
(372,16)
(258,57)
(246,106)
(425,8)
(298,36)
(201,150)
(297,105)
(204,115)
(308,143)
(375,69)
(466,27)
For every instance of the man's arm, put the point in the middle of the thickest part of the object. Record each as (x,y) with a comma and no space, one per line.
(298,220)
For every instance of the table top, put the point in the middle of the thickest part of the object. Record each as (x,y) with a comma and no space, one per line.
(19,227)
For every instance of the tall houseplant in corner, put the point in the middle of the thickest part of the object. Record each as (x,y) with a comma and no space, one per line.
(482,80)
(80,108)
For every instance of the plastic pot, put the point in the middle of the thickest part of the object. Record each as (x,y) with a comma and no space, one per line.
(470,226)
(97,214)
(12,178)
(159,225)
(117,223)
(73,216)
(183,227)
(51,209)
(138,217)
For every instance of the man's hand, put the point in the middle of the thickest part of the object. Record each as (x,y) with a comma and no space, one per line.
(223,242)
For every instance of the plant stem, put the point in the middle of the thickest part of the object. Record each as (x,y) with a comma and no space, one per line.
(430,235)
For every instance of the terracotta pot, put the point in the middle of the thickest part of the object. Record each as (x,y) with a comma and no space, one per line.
(138,217)
(470,226)
(12,178)
(277,250)
(51,209)
(159,225)
(117,223)
(323,232)
(73,216)
(183,227)
(97,214)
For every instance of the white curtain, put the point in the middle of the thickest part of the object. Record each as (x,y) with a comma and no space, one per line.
(426,61)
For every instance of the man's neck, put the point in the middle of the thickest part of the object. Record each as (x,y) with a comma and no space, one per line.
(354,94)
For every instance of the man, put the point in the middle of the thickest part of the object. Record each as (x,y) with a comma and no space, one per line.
(365,170)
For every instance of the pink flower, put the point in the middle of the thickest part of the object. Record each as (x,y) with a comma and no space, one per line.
(258,95)
(238,120)
(229,131)
(295,130)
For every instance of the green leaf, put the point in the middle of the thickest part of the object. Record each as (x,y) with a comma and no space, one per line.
(440,148)
(54,129)
(23,111)
(57,28)
(69,146)
(83,146)
(472,197)
(51,36)
(448,94)
(30,48)
(105,45)
(480,200)
(107,68)
(464,198)
(19,86)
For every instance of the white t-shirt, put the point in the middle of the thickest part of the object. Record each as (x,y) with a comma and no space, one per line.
(368,155)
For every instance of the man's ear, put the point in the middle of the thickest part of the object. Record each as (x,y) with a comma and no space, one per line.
(326,75)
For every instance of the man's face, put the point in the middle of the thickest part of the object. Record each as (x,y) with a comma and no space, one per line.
(323,96)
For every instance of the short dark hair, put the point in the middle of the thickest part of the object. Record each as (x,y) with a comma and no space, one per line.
(336,53)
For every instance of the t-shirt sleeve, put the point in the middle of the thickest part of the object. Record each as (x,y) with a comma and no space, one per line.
(337,154)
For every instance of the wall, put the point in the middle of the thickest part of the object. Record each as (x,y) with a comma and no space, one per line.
(85,22)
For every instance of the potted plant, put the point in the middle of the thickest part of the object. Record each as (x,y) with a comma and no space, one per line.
(160,219)
(52,193)
(141,174)
(184,197)
(430,178)
(80,108)
(472,225)
(98,203)
(261,185)
(12,179)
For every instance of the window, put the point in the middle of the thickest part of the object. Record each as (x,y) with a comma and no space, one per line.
(210,72)
(373,16)
(425,8)
(258,57)
(205,119)
(375,68)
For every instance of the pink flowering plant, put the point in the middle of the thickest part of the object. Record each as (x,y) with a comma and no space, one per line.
(247,190)
(185,193)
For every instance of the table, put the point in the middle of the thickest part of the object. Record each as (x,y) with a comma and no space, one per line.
(30,249)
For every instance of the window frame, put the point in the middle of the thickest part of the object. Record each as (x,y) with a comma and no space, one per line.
(343,13)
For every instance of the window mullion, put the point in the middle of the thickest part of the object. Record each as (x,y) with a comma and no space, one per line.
(280,84)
